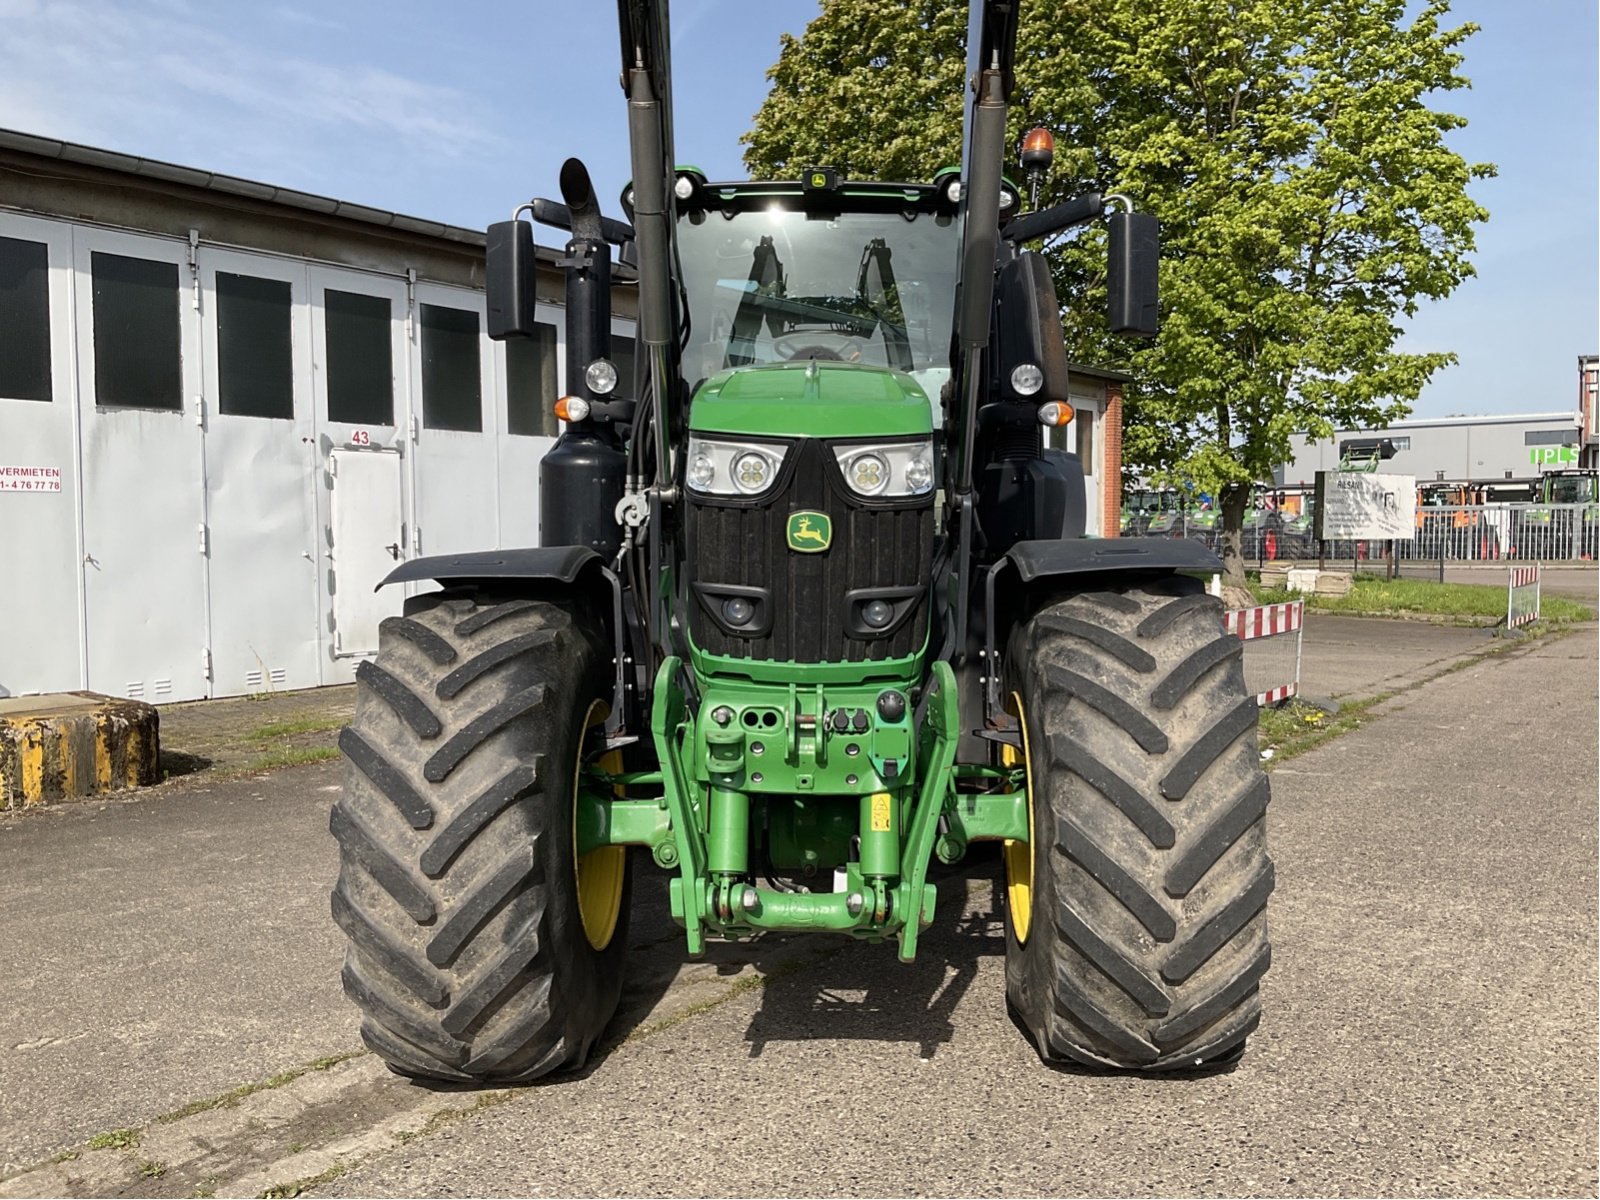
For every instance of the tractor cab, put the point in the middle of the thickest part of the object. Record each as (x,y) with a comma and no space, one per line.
(854,273)
(1569,487)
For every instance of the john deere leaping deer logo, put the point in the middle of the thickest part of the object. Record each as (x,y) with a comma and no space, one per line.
(810,532)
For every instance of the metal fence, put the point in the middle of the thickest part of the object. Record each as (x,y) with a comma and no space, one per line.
(1444,533)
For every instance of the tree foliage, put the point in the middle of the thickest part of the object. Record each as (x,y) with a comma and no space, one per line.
(1308,197)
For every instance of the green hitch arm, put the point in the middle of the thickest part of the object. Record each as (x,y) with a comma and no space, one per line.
(944,719)
(667,718)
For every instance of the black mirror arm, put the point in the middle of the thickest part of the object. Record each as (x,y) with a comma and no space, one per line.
(549,212)
(1078,211)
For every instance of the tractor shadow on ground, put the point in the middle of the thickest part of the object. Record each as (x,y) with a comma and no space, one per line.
(860,991)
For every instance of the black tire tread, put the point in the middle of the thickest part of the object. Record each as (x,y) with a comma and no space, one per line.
(465,962)
(1148,943)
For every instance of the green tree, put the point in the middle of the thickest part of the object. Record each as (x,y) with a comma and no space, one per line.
(1307,194)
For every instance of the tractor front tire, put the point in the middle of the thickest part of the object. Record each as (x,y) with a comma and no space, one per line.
(474,952)
(1138,938)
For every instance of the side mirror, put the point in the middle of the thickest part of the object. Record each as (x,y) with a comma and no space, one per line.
(511,279)
(1133,259)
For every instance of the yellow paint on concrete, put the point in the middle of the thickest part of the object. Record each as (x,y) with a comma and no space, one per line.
(31,752)
(102,756)
(55,748)
(69,766)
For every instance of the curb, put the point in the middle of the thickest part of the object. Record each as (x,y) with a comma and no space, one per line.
(72,745)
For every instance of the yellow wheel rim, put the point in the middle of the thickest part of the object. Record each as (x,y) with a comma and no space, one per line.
(1019,855)
(600,872)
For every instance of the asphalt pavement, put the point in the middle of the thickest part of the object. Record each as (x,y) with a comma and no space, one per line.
(1430,1017)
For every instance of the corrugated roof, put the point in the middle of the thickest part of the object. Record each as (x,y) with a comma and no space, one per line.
(212,181)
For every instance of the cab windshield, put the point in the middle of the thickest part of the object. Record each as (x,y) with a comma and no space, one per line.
(776,285)
(1572,489)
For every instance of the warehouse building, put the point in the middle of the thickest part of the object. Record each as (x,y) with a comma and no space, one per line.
(1459,449)
(227,409)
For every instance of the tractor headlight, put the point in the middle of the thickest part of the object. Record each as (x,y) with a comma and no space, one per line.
(601,376)
(723,468)
(869,474)
(1026,379)
(752,471)
(888,469)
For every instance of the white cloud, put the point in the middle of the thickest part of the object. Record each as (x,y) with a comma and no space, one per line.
(157,76)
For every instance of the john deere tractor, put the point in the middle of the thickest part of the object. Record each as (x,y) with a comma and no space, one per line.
(813,610)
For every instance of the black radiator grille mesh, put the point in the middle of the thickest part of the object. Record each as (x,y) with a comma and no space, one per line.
(873,547)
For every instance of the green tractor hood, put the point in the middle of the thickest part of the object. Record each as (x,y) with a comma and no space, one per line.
(811,399)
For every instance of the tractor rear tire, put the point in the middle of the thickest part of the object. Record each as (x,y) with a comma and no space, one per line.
(469,953)
(1144,937)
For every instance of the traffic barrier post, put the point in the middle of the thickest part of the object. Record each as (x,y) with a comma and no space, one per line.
(1270,625)
(1522,596)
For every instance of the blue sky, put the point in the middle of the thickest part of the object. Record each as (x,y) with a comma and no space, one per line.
(457,112)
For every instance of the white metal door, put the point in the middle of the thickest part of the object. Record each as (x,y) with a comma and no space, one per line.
(260,464)
(362,395)
(1088,438)
(143,511)
(366,521)
(41,635)
(456,471)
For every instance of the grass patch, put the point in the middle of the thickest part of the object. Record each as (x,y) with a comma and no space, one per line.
(150,1169)
(285,1191)
(1295,727)
(230,1099)
(115,1139)
(274,759)
(285,729)
(1466,603)
(65,1156)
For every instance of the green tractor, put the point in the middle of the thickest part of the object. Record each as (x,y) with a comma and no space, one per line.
(1564,519)
(813,612)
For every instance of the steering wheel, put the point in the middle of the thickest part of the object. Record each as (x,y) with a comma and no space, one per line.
(821,344)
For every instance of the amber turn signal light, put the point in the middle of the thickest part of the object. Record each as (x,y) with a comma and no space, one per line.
(572,408)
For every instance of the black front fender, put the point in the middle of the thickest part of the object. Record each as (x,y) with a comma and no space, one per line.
(1044,559)
(561,564)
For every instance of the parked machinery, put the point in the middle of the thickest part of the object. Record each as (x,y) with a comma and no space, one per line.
(813,610)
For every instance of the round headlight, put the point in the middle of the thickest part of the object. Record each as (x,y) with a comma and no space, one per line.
(1026,379)
(751,472)
(601,376)
(702,471)
(683,188)
(869,474)
(737,610)
(919,475)
(952,191)
(877,613)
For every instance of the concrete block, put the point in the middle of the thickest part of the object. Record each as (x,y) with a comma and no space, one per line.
(73,745)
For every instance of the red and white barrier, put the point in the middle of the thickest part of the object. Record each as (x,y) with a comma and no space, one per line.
(1270,621)
(1266,620)
(1522,596)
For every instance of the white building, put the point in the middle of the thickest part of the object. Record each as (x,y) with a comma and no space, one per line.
(1459,449)
(226,410)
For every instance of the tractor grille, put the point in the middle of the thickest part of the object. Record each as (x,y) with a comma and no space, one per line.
(887,545)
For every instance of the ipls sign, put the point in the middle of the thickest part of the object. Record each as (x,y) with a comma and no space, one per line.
(1553,456)
(1354,504)
(30,479)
